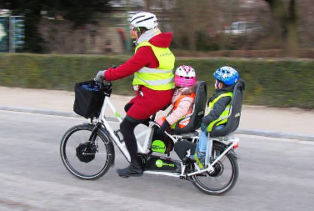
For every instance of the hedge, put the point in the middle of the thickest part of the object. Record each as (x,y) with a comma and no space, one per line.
(271,82)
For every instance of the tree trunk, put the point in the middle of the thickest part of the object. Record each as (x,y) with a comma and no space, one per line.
(288,21)
(291,38)
(147,5)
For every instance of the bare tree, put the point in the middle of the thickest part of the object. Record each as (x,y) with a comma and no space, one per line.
(285,12)
(306,23)
(147,5)
(191,17)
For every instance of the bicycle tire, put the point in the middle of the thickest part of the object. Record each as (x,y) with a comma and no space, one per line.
(104,137)
(218,147)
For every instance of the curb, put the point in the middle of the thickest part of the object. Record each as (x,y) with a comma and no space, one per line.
(47,112)
(272,134)
(39,111)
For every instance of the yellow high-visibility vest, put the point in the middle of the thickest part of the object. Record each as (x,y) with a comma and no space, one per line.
(223,118)
(161,77)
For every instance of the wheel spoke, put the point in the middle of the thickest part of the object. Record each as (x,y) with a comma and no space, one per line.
(222,178)
(82,158)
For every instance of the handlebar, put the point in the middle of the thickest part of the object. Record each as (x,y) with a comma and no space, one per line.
(105,86)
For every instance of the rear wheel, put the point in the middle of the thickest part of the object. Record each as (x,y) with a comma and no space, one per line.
(84,158)
(223,178)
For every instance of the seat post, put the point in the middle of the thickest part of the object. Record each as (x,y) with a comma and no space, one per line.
(208,150)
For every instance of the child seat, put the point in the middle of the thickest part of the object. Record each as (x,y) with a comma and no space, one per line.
(197,111)
(235,112)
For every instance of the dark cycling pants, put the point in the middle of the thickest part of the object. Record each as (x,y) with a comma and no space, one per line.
(146,103)
(127,127)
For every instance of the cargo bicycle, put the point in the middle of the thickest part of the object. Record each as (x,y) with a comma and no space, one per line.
(87,150)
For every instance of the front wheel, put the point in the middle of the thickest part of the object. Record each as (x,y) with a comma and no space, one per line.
(85,157)
(224,176)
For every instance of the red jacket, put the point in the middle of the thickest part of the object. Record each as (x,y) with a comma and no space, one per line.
(144,57)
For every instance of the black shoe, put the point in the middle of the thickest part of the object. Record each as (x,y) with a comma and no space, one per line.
(133,170)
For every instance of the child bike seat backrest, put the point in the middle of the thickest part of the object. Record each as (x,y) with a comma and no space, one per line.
(197,112)
(235,112)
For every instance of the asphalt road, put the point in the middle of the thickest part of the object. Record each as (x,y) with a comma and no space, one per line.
(275,174)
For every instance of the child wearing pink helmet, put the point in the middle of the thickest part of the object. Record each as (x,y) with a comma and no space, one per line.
(182,100)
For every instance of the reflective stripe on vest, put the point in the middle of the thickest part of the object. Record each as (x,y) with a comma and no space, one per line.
(160,78)
(223,118)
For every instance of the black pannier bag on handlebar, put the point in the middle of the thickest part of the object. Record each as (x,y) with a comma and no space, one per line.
(235,111)
(89,98)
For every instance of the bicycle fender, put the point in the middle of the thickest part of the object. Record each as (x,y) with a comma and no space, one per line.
(232,152)
(105,133)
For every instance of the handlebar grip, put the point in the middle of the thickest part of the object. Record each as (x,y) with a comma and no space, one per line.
(106,83)
(103,83)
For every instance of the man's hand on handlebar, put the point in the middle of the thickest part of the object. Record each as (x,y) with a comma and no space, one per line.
(100,76)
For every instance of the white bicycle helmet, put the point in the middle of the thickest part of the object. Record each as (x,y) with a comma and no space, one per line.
(185,76)
(144,19)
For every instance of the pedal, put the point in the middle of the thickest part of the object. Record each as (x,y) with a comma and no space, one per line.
(119,135)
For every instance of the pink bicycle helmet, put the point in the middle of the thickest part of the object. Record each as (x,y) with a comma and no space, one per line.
(185,76)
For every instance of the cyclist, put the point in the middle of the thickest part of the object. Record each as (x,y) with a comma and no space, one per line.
(152,66)
(219,106)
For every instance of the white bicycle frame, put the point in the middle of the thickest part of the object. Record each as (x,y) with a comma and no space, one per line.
(144,149)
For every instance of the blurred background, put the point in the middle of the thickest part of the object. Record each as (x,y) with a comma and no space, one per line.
(52,44)
(248,28)
(49,45)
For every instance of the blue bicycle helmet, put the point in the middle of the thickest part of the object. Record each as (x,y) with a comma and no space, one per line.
(227,75)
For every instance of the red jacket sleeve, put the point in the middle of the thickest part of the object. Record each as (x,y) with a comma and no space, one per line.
(144,57)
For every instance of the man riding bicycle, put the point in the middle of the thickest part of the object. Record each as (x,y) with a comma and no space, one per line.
(152,66)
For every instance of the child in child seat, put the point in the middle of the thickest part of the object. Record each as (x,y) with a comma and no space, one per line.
(182,100)
(218,107)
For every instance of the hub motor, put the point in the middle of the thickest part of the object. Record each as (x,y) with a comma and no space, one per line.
(218,169)
(86,152)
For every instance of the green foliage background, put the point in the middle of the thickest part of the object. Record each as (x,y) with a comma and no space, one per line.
(281,83)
